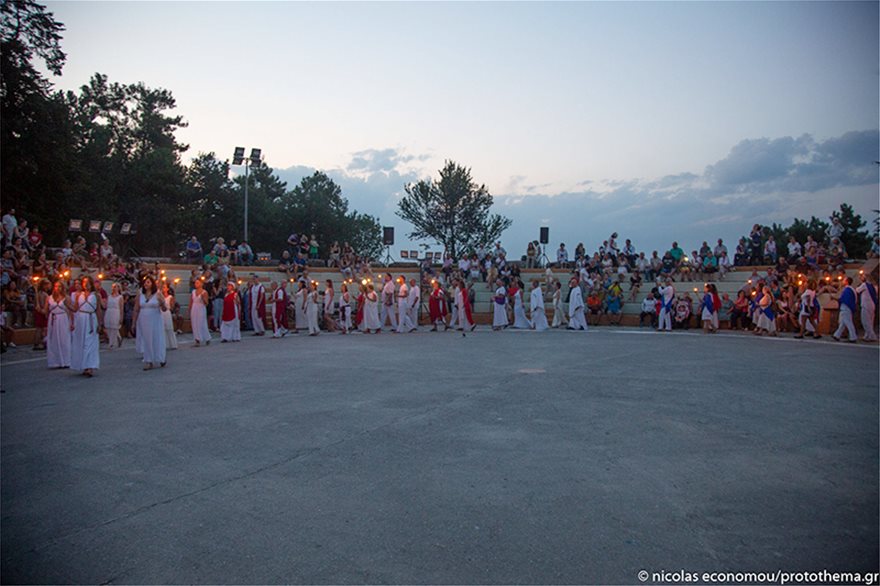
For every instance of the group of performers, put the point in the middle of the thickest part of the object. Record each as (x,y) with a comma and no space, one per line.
(74,319)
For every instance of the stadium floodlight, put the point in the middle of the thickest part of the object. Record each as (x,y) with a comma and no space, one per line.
(74,225)
(95,225)
(238,156)
(254,159)
(108,227)
(125,229)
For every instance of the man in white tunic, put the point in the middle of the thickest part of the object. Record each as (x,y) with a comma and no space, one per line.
(499,306)
(414,300)
(403,322)
(386,303)
(576,319)
(667,296)
(257,302)
(536,304)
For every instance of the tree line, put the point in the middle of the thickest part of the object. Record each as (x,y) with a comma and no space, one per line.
(108,151)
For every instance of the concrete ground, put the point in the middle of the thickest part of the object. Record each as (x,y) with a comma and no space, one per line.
(512,457)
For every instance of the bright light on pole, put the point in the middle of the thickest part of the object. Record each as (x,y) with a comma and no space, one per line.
(254,159)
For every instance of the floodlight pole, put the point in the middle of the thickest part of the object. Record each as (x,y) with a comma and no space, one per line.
(246,166)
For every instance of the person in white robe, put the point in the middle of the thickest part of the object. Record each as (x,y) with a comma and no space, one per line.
(84,354)
(371,311)
(168,319)
(58,334)
(301,323)
(520,321)
(667,297)
(345,309)
(576,319)
(386,309)
(536,305)
(413,301)
(230,325)
(867,293)
(257,303)
(150,327)
(499,306)
(404,324)
(311,309)
(198,314)
(559,318)
(113,317)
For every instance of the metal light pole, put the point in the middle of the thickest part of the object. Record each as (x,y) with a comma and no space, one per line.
(239,159)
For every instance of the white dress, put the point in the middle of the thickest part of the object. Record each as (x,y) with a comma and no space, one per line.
(499,310)
(520,320)
(403,322)
(151,330)
(112,320)
(84,345)
(253,301)
(559,318)
(371,313)
(312,312)
(198,318)
(168,324)
(576,319)
(301,322)
(231,330)
(58,335)
(536,302)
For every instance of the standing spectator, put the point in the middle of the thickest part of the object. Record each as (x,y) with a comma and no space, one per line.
(755,248)
(9,223)
(313,247)
(531,255)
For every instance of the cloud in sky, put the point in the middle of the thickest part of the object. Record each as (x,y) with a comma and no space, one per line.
(759,181)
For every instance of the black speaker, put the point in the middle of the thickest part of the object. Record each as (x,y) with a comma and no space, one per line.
(545,235)
(388,235)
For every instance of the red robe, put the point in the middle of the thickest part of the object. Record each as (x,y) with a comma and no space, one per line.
(260,302)
(437,305)
(359,316)
(229,303)
(281,308)
(466,302)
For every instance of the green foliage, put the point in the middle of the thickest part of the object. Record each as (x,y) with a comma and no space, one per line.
(454,211)
(856,240)
(110,152)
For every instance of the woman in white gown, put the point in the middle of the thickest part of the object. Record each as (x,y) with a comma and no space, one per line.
(301,322)
(84,355)
(150,329)
(311,309)
(520,321)
(499,307)
(371,311)
(536,304)
(58,334)
(198,314)
(168,319)
(559,318)
(113,317)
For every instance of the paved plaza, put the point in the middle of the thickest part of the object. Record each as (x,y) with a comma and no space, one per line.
(513,457)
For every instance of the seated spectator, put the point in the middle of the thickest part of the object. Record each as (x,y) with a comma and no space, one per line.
(643,267)
(194,253)
(232,247)
(35,238)
(794,249)
(875,248)
(580,251)
(211,259)
(245,254)
(594,307)
(635,284)
(726,309)
(562,256)
(531,255)
(682,312)
(741,255)
(720,249)
(739,316)
(710,263)
(614,306)
(285,265)
(770,250)
(669,264)
(649,311)
(676,253)
(335,252)
(723,265)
